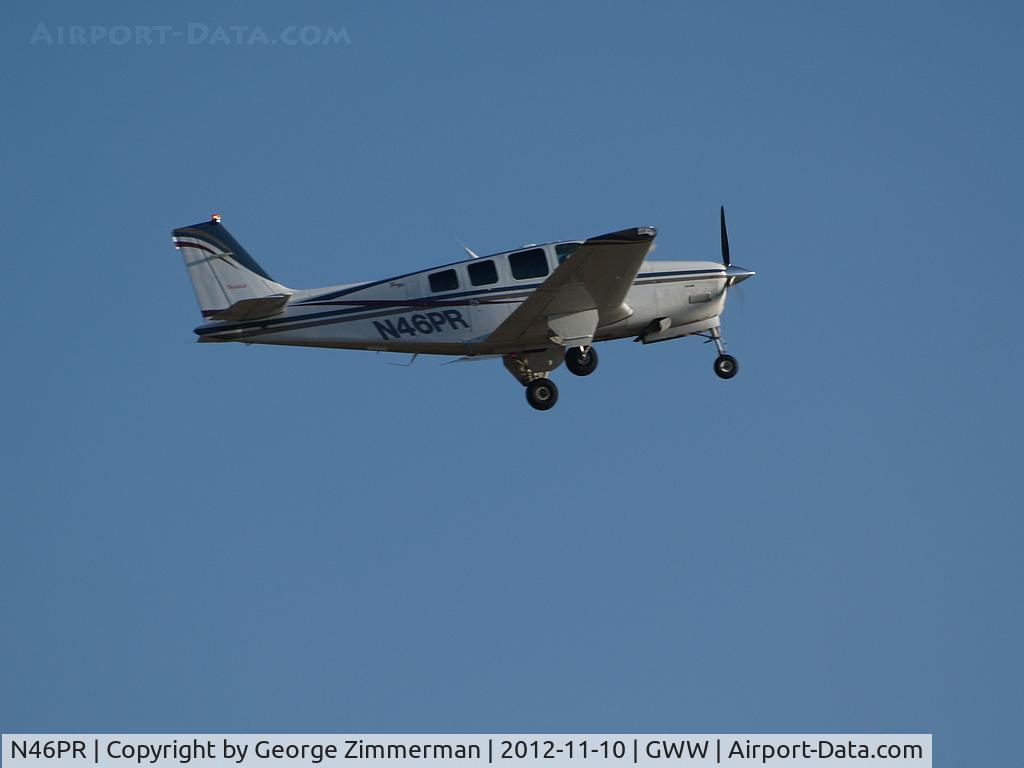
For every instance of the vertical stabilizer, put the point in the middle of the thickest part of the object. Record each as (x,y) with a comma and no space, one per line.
(222,271)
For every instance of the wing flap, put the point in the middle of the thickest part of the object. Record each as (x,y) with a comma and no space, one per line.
(575,329)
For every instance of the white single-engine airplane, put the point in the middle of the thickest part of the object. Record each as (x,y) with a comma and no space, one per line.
(532,307)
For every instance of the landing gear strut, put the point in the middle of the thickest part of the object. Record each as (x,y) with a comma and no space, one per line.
(726,365)
(581,361)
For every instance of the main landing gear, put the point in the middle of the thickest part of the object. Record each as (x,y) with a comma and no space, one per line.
(542,394)
(581,361)
(531,369)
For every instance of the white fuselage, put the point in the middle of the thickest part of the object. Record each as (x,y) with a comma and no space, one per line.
(452,309)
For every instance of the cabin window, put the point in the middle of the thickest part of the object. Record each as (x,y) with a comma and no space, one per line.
(527,264)
(482,272)
(565,250)
(444,281)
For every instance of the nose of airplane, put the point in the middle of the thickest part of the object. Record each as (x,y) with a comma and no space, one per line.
(737,274)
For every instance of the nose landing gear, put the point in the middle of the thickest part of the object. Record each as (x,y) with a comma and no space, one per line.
(726,366)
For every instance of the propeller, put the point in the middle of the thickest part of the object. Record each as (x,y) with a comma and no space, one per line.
(733,274)
(725,238)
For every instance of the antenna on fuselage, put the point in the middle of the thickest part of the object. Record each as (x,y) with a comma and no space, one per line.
(411,361)
(467,249)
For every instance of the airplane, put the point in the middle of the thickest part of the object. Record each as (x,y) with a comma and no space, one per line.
(533,307)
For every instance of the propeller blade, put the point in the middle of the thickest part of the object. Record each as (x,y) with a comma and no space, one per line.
(741,299)
(725,239)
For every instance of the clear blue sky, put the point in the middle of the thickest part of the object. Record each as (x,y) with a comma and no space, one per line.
(229,538)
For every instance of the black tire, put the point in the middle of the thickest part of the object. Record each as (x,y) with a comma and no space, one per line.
(581,363)
(542,394)
(726,366)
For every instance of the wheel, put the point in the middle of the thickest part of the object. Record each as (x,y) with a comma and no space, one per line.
(726,366)
(581,362)
(541,394)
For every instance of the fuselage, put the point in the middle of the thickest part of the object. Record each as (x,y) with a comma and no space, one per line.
(453,308)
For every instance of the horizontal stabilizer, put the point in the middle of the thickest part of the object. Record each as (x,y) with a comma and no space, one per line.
(254,309)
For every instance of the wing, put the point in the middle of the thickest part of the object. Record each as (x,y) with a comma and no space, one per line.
(587,290)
